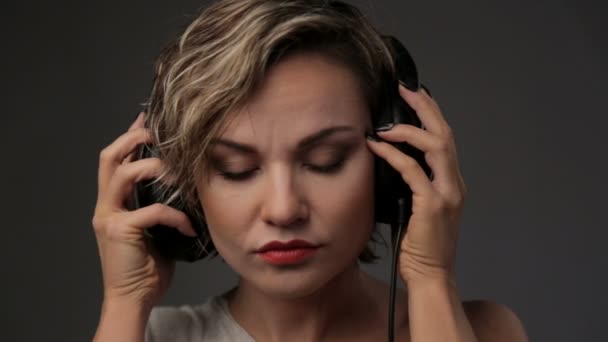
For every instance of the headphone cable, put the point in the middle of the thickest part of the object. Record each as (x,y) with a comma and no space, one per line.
(401,222)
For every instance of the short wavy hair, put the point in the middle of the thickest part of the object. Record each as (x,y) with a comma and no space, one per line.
(213,67)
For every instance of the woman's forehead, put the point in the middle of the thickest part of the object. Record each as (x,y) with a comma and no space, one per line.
(302,94)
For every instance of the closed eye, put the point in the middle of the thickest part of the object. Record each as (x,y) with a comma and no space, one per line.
(237,176)
(333,167)
(245,175)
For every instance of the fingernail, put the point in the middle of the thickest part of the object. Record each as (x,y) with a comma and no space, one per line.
(385,127)
(191,233)
(409,84)
(134,124)
(426,89)
(372,137)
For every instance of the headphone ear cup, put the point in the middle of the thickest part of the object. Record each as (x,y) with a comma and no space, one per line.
(386,209)
(169,242)
(389,184)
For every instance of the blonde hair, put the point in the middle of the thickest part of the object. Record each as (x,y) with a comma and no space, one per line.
(215,65)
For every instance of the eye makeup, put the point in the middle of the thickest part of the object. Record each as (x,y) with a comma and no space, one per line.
(233,168)
(323,158)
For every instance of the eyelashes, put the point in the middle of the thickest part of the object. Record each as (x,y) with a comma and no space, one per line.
(322,169)
(331,168)
(237,176)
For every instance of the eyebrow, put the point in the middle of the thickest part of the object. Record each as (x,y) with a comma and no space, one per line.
(305,142)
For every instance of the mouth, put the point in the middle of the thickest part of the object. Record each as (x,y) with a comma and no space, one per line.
(287,253)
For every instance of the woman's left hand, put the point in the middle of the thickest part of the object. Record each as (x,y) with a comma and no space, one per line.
(428,249)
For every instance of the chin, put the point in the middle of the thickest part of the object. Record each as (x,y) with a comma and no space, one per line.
(291,282)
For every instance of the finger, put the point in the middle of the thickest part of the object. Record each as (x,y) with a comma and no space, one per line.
(139,121)
(112,155)
(415,136)
(158,213)
(411,172)
(439,152)
(426,108)
(126,176)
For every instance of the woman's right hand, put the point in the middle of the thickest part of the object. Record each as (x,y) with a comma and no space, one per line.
(132,269)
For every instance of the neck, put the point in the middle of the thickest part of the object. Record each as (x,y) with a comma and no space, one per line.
(335,309)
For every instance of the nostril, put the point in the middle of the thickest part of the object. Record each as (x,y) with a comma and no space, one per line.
(285,213)
(283,199)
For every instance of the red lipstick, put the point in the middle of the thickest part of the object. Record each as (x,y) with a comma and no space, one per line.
(287,253)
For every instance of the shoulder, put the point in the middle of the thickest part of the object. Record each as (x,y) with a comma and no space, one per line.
(494,322)
(209,321)
(173,323)
(184,323)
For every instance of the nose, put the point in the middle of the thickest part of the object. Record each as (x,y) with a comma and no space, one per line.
(283,203)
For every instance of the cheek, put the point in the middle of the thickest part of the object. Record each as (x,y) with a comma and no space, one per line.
(347,202)
(225,213)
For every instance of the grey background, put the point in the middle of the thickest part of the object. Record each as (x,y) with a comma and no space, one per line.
(520,82)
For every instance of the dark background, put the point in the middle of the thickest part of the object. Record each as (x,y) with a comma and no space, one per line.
(522,83)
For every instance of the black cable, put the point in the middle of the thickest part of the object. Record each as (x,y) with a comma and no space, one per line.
(401,222)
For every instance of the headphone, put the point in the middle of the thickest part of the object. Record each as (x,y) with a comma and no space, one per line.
(393,197)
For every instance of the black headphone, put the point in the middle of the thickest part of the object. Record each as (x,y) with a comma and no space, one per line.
(393,197)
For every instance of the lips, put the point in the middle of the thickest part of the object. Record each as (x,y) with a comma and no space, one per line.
(287,253)
(282,246)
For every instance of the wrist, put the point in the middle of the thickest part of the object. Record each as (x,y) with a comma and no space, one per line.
(125,306)
(122,320)
(436,281)
(416,274)
(144,300)
(433,300)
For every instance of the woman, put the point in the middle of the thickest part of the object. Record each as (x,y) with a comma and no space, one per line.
(260,111)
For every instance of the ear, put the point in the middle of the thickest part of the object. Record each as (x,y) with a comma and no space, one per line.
(493,322)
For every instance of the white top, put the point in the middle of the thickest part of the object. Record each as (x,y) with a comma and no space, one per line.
(210,321)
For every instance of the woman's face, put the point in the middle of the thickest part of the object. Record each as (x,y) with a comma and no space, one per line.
(294,164)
